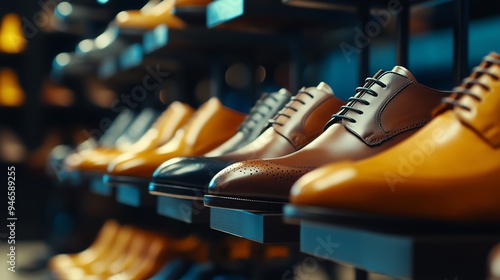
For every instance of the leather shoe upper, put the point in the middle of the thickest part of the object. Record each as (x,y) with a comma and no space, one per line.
(389,108)
(297,124)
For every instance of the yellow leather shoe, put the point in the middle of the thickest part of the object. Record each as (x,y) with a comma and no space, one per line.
(163,130)
(98,248)
(11,34)
(11,92)
(209,127)
(447,171)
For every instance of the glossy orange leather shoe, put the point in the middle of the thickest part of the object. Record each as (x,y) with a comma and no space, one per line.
(448,171)
(163,130)
(209,127)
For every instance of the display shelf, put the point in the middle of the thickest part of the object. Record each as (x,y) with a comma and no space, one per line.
(97,186)
(426,256)
(264,15)
(132,195)
(256,226)
(192,15)
(189,211)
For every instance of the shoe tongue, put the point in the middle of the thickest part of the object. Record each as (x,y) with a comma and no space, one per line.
(403,71)
(325,88)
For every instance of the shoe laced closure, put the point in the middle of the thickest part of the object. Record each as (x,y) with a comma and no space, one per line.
(358,98)
(468,83)
(293,101)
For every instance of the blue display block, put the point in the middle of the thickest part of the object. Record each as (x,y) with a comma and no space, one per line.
(136,196)
(97,186)
(256,226)
(189,211)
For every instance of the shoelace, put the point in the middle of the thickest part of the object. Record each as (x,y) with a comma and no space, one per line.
(255,113)
(464,89)
(293,100)
(350,102)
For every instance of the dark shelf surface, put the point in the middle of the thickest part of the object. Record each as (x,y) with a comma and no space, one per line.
(405,256)
(189,211)
(256,226)
(265,15)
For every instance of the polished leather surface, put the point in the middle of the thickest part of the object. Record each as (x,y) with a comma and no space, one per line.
(256,121)
(447,171)
(292,131)
(401,106)
(210,126)
(172,119)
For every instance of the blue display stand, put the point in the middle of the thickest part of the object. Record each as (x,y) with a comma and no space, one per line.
(259,227)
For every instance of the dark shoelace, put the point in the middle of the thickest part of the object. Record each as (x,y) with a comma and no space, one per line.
(293,100)
(464,89)
(359,91)
(255,113)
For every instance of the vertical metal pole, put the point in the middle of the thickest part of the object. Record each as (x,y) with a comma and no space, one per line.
(403,34)
(461,40)
(364,55)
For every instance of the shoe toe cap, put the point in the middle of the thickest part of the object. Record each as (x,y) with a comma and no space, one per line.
(189,171)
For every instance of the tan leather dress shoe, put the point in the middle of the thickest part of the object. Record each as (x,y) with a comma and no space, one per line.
(389,108)
(447,171)
(210,126)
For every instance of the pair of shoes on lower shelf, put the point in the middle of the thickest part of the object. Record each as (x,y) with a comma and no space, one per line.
(125,252)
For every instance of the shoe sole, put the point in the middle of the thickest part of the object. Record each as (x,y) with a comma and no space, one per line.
(176,191)
(116,181)
(243,203)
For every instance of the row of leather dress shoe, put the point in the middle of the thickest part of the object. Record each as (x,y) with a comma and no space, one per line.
(126,252)
(396,149)
(382,152)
